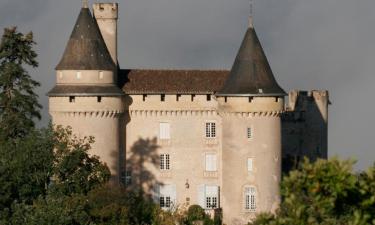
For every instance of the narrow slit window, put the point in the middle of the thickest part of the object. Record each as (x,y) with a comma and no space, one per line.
(208,98)
(162,97)
(250,164)
(249,133)
(192,97)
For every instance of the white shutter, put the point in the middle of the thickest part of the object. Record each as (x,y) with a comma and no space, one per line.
(156,194)
(212,191)
(211,161)
(201,195)
(250,164)
(164,131)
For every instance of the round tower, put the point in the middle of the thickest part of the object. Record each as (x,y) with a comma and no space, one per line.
(250,104)
(86,96)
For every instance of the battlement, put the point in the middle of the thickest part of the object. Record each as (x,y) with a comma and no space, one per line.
(105,10)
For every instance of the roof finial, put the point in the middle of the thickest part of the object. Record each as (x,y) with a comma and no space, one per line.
(85,3)
(251,23)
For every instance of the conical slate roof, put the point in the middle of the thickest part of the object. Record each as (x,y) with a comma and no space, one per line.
(86,49)
(251,74)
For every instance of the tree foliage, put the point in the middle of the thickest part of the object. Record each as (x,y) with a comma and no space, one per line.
(325,192)
(18,101)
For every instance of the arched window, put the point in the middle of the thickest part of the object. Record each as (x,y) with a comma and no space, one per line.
(250,199)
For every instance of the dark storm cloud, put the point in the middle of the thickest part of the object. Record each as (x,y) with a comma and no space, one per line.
(19,11)
(320,44)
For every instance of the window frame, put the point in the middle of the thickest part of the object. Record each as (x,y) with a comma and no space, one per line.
(165,162)
(250,199)
(206,161)
(210,129)
(166,133)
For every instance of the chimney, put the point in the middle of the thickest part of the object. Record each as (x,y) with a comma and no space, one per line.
(106,15)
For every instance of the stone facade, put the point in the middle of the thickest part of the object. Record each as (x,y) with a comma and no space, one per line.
(188,144)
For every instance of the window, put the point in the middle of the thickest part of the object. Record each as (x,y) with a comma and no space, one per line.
(72,99)
(208,97)
(79,75)
(162,98)
(178,97)
(211,160)
(210,130)
(212,197)
(101,75)
(99,98)
(166,195)
(144,97)
(164,162)
(250,164)
(249,133)
(60,75)
(192,97)
(250,199)
(165,202)
(164,131)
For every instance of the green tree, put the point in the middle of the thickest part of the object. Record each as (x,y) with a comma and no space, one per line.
(74,170)
(325,192)
(18,101)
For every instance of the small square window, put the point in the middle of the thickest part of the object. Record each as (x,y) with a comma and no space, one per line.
(144,97)
(178,97)
(250,164)
(99,99)
(192,97)
(72,99)
(79,75)
(249,133)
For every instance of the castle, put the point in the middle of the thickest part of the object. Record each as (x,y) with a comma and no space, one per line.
(218,139)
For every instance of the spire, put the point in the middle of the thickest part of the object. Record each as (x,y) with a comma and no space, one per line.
(251,21)
(86,49)
(85,4)
(251,74)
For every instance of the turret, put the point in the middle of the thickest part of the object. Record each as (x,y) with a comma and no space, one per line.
(86,96)
(250,104)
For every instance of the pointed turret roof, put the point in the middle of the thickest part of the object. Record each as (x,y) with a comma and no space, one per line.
(86,49)
(251,74)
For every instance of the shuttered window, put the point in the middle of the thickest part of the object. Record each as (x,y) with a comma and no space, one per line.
(211,162)
(166,195)
(212,197)
(164,131)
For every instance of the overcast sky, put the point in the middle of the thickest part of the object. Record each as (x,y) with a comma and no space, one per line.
(311,44)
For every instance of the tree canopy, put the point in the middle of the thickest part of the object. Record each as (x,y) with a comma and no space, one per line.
(325,192)
(18,102)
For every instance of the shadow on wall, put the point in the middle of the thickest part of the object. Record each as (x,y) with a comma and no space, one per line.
(304,129)
(141,164)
